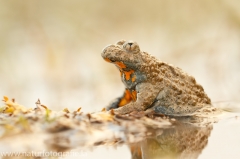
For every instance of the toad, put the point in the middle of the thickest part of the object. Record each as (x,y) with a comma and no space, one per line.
(151,84)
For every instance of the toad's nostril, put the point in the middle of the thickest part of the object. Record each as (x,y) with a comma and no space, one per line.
(130,43)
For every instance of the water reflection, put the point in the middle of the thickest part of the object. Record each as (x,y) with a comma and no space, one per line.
(184,140)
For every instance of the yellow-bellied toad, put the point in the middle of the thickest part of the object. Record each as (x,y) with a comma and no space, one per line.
(153,84)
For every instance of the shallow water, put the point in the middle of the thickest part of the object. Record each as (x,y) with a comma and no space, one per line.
(224,140)
(144,138)
(218,140)
(217,137)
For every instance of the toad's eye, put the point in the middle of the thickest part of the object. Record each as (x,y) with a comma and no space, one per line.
(121,42)
(131,47)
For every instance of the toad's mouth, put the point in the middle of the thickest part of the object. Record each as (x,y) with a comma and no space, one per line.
(108,60)
(120,65)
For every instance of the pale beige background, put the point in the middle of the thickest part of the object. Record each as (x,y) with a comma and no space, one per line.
(51,49)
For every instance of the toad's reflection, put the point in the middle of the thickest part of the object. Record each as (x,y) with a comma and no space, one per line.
(182,141)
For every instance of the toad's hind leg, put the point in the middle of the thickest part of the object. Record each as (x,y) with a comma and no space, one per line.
(173,109)
(121,101)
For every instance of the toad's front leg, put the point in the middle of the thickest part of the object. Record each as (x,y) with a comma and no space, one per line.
(121,101)
(145,96)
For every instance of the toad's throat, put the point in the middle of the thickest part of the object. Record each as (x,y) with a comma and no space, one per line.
(128,73)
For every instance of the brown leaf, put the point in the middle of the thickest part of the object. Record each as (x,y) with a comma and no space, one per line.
(66,110)
(5,98)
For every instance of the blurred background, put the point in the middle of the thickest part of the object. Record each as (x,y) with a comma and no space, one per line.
(51,50)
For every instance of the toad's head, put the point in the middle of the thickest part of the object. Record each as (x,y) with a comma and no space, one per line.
(125,55)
